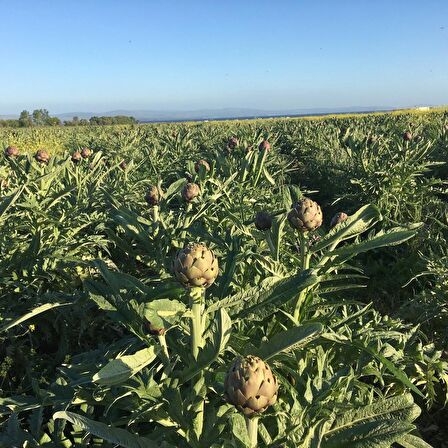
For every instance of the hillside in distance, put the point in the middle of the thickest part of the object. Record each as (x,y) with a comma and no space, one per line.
(213,114)
(144,115)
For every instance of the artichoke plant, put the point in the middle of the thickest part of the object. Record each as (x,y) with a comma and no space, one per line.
(264,146)
(12,152)
(195,266)
(233,142)
(86,153)
(305,215)
(263,221)
(407,136)
(152,197)
(338,218)
(76,157)
(190,191)
(42,156)
(200,163)
(250,385)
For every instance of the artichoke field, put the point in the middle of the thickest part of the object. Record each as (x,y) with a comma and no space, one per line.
(277,283)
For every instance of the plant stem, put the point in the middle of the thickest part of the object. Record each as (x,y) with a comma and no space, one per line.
(155,219)
(271,245)
(327,257)
(252,429)
(196,329)
(196,304)
(165,355)
(304,264)
(187,220)
(302,240)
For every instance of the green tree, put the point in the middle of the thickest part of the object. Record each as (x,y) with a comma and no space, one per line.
(53,121)
(25,119)
(41,117)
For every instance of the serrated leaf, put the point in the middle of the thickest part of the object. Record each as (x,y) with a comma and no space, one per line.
(411,441)
(239,429)
(111,434)
(120,369)
(38,310)
(355,224)
(372,434)
(398,374)
(292,339)
(164,311)
(280,294)
(392,237)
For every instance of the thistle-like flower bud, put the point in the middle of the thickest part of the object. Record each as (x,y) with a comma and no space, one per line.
(190,191)
(152,197)
(76,157)
(263,220)
(338,218)
(199,163)
(264,146)
(407,136)
(86,153)
(195,266)
(42,156)
(233,142)
(305,215)
(12,152)
(250,385)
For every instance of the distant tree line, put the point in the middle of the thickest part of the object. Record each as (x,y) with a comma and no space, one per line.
(101,121)
(41,117)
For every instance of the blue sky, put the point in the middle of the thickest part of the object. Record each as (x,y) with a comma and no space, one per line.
(98,55)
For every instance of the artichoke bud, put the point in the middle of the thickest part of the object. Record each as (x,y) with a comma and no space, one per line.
(264,146)
(195,266)
(42,156)
(233,142)
(86,153)
(407,136)
(11,152)
(338,218)
(190,191)
(152,197)
(263,221)
(305,215)
(201,163)
(76,157)
(250,385)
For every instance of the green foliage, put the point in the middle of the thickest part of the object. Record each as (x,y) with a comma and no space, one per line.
(101,347)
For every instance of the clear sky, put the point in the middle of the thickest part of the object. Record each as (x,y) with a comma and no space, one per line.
(98,55)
